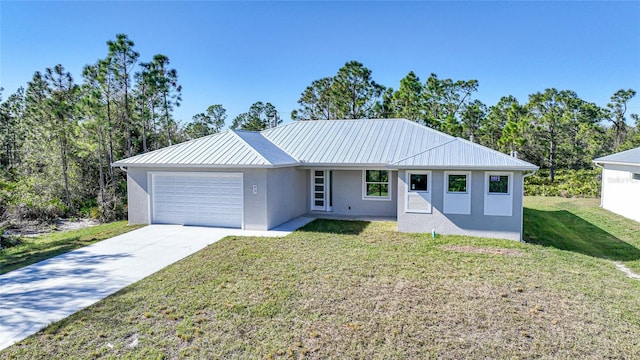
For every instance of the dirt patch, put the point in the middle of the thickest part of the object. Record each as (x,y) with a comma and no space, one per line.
(620,266)
(480,250)
(34,228)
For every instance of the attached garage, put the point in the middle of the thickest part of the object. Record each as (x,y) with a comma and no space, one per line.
(205,198)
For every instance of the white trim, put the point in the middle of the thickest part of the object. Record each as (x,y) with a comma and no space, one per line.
(426,195)
(467,175)
(151,188)
(493,173)
(389,196)
(457,202)
(498,204)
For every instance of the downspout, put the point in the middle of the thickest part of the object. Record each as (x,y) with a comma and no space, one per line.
(601,182)
(123,169)
(522,207)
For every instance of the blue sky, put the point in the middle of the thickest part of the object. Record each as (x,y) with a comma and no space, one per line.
(237,53)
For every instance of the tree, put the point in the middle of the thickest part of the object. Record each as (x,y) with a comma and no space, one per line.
(51,106)
(122,59)
(408,101)
(473,119)
(444,99)
(550,112)
(317,102)
(617,109)
(259,117)
(208,123)
(12,129)
(355,93)
(166,82)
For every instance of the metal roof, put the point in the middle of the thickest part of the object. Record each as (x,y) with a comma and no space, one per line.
(395,143)
(629,157)
(354,142)
(227,149)
(462,154)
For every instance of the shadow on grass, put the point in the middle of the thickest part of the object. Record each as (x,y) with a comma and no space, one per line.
(343,227)
(563,230)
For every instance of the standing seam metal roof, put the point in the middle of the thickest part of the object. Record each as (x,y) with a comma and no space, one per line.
(396,143)
(631,156)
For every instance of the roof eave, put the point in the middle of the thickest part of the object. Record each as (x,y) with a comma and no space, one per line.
(462,167)
(598,161)
(200,166)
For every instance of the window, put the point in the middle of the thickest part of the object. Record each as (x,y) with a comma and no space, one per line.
(457,183)
(376,184)
(635,176)
(418,182)
(498,184)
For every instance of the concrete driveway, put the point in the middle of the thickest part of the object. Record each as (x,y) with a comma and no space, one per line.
(40,294)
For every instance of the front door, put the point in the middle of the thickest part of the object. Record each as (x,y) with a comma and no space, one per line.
(321,190)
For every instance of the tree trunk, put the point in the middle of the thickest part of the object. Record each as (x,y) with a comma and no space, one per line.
(65,167)
(552,155)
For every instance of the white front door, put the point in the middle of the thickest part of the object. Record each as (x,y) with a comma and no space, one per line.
(321,190)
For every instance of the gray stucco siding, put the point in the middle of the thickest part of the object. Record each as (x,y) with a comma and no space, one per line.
(347,191)
(476,223)
(286,195)
(255,205)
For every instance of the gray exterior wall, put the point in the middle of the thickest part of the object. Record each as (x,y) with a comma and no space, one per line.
(475,224)
(347,195)
(286,194)
(255,205)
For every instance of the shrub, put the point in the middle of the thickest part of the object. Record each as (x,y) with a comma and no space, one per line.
(567,183)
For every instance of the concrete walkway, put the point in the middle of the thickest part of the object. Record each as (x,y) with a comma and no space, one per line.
(40,294)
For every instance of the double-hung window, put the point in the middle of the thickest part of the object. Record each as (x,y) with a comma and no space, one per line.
(376,185)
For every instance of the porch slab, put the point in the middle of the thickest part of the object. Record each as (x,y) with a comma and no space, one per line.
(332,216)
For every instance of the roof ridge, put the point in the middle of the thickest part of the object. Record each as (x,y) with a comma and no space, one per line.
(251,146)
(427,150)
(490,149)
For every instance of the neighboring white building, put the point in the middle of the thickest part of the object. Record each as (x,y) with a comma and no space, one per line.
(621,183)
(391,168)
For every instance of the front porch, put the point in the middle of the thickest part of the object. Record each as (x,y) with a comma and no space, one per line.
(333,216)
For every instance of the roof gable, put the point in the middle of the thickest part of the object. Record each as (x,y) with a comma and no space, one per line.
(227,149)
(463,154)
(631,157)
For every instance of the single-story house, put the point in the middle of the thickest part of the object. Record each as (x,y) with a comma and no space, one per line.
(394,168)
(621,183)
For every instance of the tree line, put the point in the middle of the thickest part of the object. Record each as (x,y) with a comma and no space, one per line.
(58,137)
(552,129)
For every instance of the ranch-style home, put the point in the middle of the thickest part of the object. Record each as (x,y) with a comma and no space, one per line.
(621,183)
(392,168)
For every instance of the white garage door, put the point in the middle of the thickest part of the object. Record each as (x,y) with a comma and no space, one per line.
(209,199)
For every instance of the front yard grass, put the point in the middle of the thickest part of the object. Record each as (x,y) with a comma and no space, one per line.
(38,248)
(360,290)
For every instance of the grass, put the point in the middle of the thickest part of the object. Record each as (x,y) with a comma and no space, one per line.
(34,249)
(338,289)
(579,225)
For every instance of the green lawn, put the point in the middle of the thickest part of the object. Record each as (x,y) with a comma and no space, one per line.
(34,249)
(579,225)
(361,290)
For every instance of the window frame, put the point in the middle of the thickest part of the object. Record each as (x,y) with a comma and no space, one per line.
(425,173)
(365,196)
(635,176)
(466,175)
(488,182)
